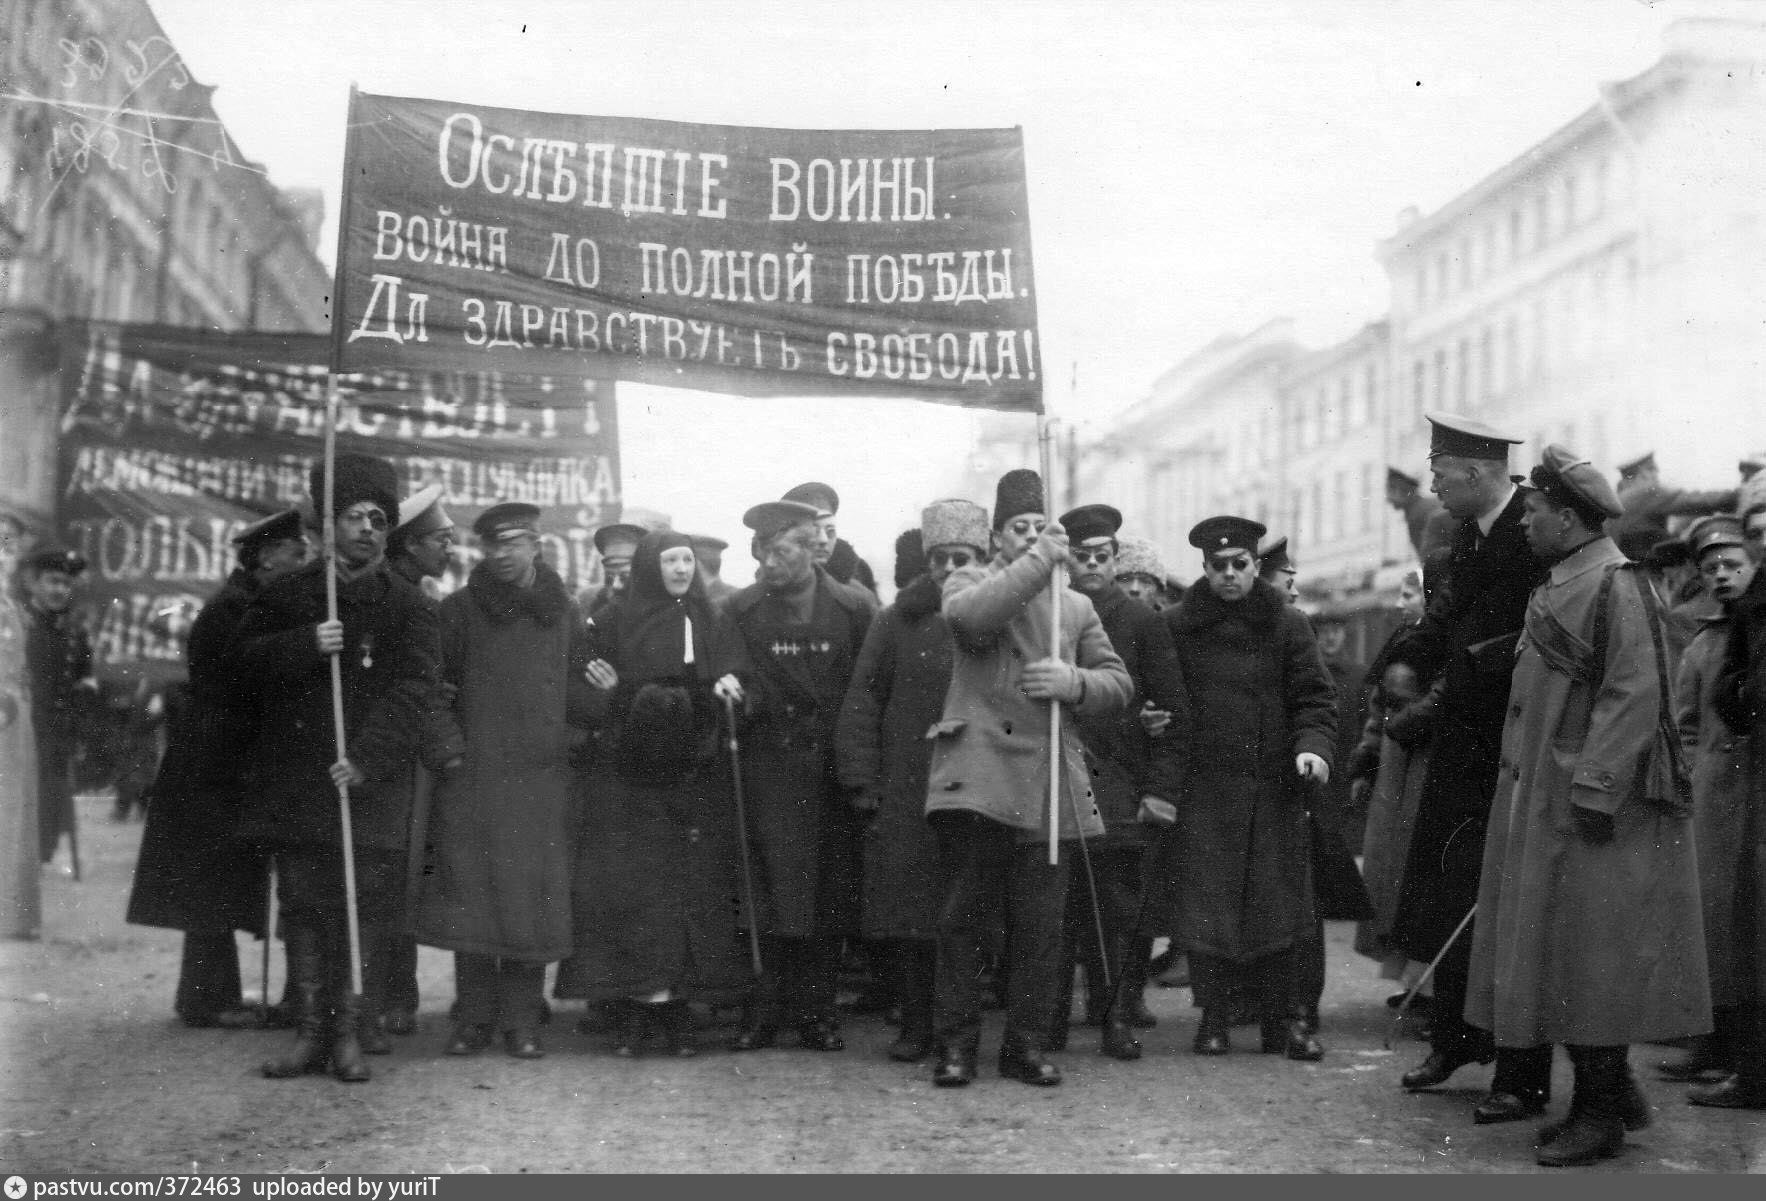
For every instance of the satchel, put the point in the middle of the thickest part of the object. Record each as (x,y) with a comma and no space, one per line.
(1667,781)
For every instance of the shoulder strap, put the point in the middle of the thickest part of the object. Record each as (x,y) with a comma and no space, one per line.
(1603,619)
(1665,709)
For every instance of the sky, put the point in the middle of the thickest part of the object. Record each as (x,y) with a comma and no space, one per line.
(1195,168)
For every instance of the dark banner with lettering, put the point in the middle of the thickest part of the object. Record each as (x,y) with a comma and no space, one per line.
(726,258)
(173,440)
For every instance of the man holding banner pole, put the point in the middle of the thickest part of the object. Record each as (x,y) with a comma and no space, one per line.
(386,645)
(988,785)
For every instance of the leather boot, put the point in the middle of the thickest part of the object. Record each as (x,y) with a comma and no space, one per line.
(347,1063)
(956,1062)
(631,1021)
(1119,1041)
(1731,1092)
(676,1021)
(1710,1054)
(1289,1033)
(764,1009)
(1595,1130)
(1132,990)
(1213,1033)
(1019,1060)
(306,999)
(370,1029)
(914,962)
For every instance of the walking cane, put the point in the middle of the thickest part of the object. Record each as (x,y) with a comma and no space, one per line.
(1091,885)
(269,938)
(1151,857)
(329,535)
(742,838)
(73,825)
(1404,1005)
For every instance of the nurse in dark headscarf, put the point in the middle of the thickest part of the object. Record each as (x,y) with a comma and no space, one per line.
(657,880)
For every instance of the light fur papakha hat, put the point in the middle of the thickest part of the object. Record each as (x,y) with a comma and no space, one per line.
(954,521)
(1137,556)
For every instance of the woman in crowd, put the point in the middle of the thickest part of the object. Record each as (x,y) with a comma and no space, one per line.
(656,880)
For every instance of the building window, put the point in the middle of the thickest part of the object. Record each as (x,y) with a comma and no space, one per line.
(1571,216)
(1370,383)
(1489,248)
(1487,363)
(1419,386)
(1462,374)
(1597,199)
(1511,352)
(1541,219)
(1438,397)
(1517,229)
(1369,514)
(1441,277)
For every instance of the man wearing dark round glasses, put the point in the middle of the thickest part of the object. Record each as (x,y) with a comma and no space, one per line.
(1136,782)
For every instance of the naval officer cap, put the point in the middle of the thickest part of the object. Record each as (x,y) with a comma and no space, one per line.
(1227,533)
(1275,559)
(619,538)
(1091,521)
(421,513)
(818,496)
(509,518)
(771,518)
(1460,437)
(1570,481)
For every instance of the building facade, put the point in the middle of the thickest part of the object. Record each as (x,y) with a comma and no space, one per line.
(123,198)
(1603,289)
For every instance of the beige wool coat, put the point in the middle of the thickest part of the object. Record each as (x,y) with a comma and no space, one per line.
(1578,942)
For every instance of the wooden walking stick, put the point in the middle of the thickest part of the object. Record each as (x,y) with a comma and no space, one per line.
(269,938)
(742,839)
(1428,972)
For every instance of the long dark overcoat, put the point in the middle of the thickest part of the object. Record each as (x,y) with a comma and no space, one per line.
(1722,797)
(882,743)
(1466,637)
(194,872)
(391,676)
(804,836)
(1241,865)
(657,888)
(1738,699)
(497,871)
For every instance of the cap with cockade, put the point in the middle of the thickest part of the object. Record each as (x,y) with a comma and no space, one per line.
(511,517)
(1138,556)
(1571,481)
(771,518)
(818,496)
(1222,533)
(1719,529)
(1669,552)
(422,513)
(1461,437)
(1642,463)
(954,522)
(1089,522)
(619,538)
(56,558)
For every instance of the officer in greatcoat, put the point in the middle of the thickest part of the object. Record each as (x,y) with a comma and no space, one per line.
(987,792)
(1589,930)
(1466,643)
(803,630)
(194,874)
(386,644)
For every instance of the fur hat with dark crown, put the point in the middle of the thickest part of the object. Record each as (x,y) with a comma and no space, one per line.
(359,478)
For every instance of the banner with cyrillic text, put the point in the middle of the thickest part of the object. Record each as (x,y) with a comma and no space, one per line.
(173,440)
(725,258)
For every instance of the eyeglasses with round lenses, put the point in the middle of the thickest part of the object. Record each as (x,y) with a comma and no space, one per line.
(370,517)
(1085,556)
(1236,563)
(954,558)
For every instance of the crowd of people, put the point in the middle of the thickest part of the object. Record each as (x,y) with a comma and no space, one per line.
(1542,800)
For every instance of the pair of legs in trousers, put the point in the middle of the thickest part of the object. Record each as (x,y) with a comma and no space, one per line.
(798,980)
(1275,987)
(985,868)
(1116,875)
(334,1025)
(493,994)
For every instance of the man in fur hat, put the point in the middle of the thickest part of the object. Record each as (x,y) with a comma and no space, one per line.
(1137,782)
(803,630)
(1139,573)
(385,641)
(987,788)
(897,693)
(59,656)
(833,553)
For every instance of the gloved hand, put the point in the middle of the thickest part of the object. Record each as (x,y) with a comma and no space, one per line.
(602,675)
(1359,791)
(1592,824)
(1052,542)
(1154,720)
(1413,725)
(1155,812)
(728,688)
(1312,767)
(1051,680)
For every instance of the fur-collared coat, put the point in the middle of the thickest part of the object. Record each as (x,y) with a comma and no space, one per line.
(1241,867)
